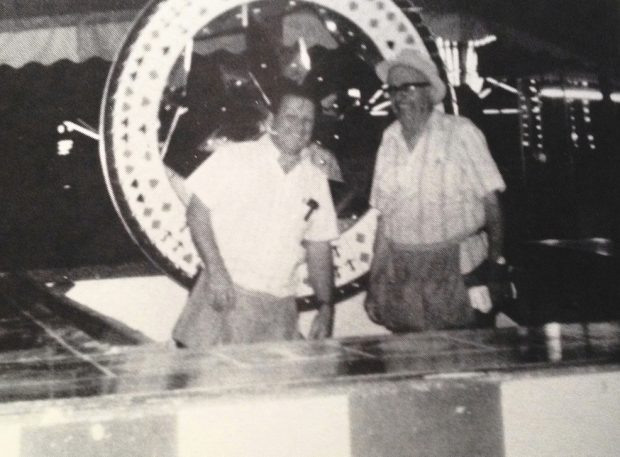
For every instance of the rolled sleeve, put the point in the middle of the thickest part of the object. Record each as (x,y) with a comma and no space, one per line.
(210,182)
(377,197)
(323,224)
(374,190)
(481,169)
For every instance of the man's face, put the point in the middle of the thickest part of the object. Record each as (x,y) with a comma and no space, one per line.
(293,124)
(409,91)
(295,70)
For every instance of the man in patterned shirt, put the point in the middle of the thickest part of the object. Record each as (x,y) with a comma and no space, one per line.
(436,188)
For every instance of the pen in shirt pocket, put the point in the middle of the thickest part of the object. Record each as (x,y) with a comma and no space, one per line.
(313,205)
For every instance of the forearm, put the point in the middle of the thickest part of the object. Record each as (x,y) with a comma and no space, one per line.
(381,244)
(178,185)
(494,226)
(201,229)
(321,270)
(321,276)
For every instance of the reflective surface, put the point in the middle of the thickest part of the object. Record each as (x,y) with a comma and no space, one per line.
(45,363)
(467,393)
(599,246)
(45,355)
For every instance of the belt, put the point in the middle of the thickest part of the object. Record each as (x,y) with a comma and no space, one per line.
(433,246)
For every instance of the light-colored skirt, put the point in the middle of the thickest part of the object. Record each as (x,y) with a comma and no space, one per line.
(255,317)
(424,291)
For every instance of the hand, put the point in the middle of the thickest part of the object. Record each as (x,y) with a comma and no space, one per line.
(381,276)
(212,142)
(371,306)
(327,104)
(498,281)
(323,323)
(326,161)
(381,266)
(221,292)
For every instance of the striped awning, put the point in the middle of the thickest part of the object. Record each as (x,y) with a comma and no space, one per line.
(76,37)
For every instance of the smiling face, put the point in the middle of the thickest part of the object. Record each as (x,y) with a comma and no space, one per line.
(293,124)
(411,104)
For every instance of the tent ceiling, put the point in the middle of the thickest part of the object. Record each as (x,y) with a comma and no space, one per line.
(583,30)
(578,30)
(21,9)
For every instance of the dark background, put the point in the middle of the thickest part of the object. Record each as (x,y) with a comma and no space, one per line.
(55,210)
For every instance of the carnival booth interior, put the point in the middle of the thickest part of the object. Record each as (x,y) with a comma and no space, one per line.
(106,106)
(55,62)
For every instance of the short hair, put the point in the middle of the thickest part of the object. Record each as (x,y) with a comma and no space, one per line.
(288,88)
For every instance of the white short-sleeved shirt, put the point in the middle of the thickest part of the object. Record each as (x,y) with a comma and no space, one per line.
(261,215)
(435,192)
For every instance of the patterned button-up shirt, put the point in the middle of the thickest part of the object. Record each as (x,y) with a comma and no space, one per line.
(434,193)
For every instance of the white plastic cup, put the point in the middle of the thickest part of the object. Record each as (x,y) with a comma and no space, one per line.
(553,330)
(553,333)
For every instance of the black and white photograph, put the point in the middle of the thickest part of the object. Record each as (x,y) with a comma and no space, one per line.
(239,228)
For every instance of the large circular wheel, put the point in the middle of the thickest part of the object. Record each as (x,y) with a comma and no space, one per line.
(131,126)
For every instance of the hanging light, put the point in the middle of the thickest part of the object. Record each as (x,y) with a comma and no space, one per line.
(331,25)
(354,93)
(502,85)
(573,93)
(64,147)
(304,56)
(484,41)
(501,111)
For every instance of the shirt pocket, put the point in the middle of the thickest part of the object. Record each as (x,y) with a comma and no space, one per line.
(432,186)
(444,183)
(296,213)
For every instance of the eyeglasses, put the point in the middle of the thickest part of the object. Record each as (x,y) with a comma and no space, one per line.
(406,87)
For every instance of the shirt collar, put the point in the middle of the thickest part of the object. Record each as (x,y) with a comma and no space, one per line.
(268,146)
(395,129)
(273,153)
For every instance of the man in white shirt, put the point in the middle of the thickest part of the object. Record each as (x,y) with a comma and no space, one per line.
(259,209)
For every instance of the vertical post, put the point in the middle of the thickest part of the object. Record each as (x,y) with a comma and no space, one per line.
(462,50)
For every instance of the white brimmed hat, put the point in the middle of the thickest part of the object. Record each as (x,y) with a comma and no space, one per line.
(413,58)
